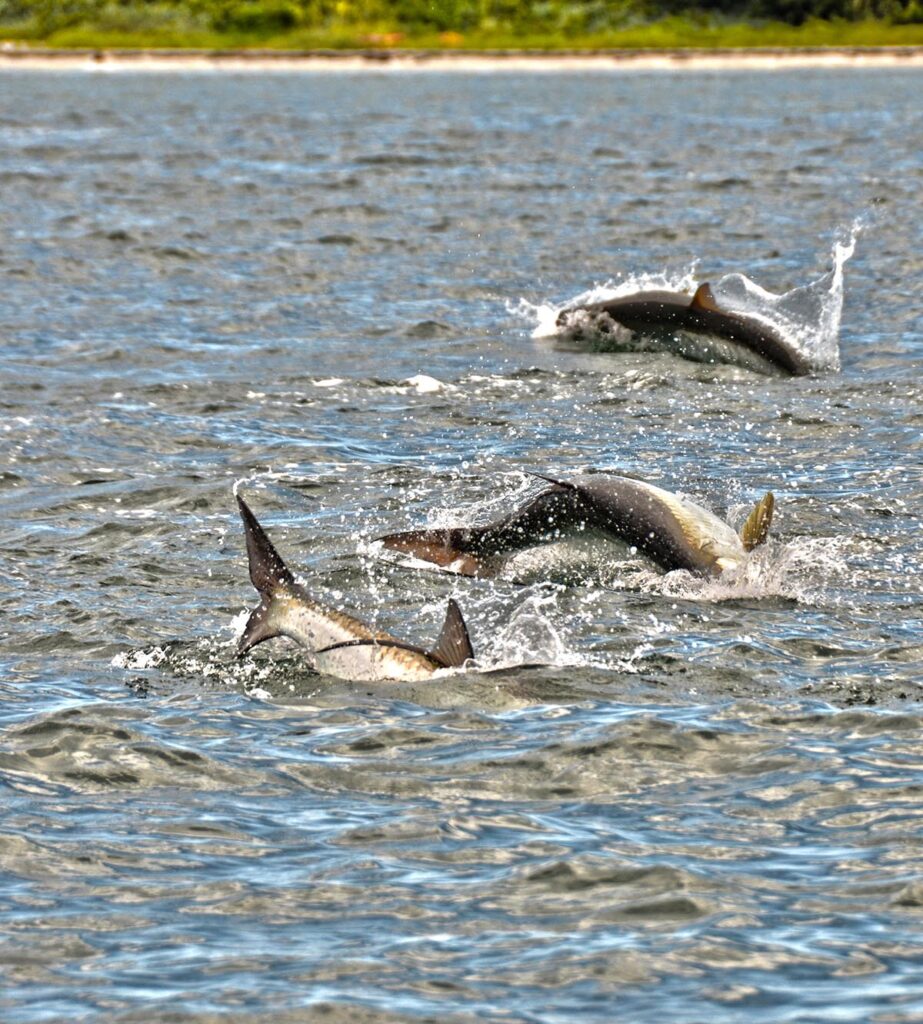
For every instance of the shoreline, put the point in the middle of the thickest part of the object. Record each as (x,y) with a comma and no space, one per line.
(768,58)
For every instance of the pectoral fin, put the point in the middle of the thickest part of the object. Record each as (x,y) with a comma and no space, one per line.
(756,529)
(453,647)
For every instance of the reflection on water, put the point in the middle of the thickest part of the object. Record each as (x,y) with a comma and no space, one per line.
(658,791)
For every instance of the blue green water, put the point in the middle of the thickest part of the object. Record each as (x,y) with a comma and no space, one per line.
(703,800)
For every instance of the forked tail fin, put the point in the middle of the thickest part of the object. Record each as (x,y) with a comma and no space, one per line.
(267,570)
(267,573)
(453,648)
(756,529)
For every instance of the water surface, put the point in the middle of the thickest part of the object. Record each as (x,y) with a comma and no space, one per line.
(701,802)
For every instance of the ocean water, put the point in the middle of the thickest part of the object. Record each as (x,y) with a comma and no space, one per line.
(660,798)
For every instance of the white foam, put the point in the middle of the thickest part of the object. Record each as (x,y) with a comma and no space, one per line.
(423,384)
(144,659)
(237,625)
(258,693)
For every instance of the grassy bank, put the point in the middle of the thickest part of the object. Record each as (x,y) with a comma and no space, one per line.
(670,33)
(445,24)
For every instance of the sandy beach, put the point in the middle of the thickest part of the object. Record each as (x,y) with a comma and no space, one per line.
(768,59)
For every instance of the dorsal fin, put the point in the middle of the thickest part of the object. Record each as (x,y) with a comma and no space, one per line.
(756,529)
(453,647)
(267,570)
(704,298)
(553,480)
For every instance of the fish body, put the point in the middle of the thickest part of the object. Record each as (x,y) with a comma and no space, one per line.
(337,644)
(672,531)
(696,328)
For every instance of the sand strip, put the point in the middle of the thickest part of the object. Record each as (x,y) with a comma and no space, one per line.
(768,59)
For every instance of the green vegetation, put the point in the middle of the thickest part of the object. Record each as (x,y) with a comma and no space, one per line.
(462,24)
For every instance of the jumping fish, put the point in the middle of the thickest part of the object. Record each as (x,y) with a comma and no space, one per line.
(672,531)
(339,645)
(697,329)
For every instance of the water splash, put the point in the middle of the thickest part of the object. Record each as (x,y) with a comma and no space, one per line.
(807,316)
(533,635)
(208,661)
(799,570)
(546,314)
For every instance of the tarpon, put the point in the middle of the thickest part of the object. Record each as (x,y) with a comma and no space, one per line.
(696,328)
(673,532)
(339,645)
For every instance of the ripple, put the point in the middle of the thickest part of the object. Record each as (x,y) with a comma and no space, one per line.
(658,791)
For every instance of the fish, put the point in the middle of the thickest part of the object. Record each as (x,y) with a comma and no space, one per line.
(337,644)
(695,328)
(672,531)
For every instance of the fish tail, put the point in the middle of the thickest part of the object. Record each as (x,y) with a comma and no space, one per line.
(756,529)
(269,574)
